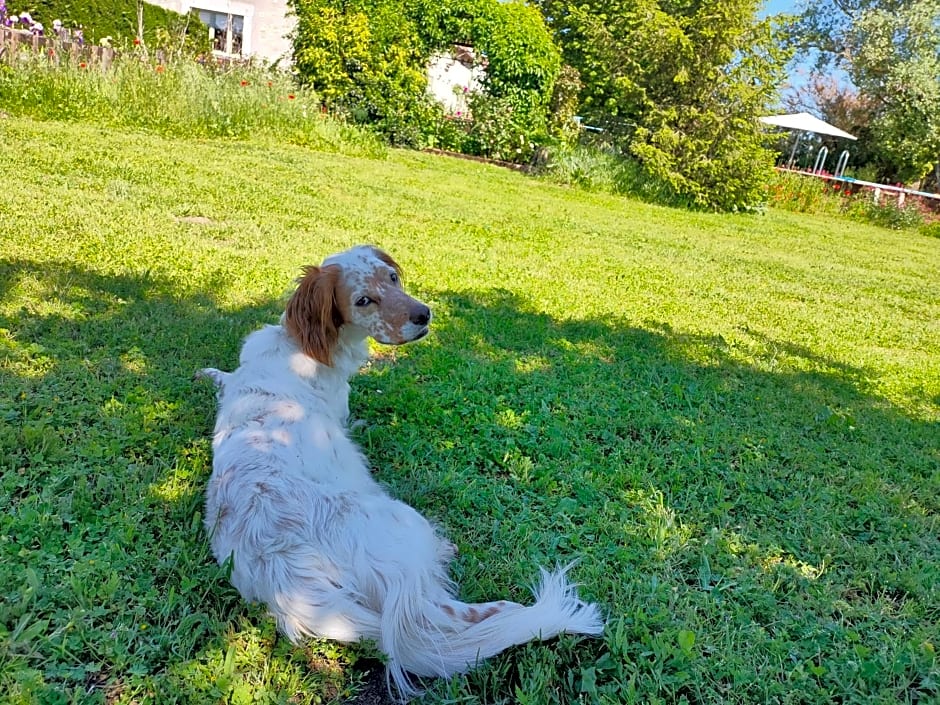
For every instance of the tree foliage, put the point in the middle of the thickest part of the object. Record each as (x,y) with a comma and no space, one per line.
(890,50)
(679,85)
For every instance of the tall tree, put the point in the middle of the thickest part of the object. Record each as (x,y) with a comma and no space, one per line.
(679,84)
(890,50)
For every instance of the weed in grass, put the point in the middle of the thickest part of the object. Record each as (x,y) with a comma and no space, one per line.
(931,229)
(887,213)
(733,428)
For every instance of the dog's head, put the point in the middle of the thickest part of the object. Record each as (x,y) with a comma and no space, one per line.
(360,287)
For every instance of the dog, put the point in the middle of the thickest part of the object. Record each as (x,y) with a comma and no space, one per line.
(292,503)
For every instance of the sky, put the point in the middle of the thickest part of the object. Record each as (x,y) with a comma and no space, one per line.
(775,7)
(798,71)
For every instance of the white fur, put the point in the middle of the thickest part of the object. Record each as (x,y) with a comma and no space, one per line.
(313,536)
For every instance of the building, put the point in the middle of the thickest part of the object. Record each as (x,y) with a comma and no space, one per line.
(455,75)
(261,29)
(245,28)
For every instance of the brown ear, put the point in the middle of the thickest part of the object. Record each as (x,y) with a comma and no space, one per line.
(312,316)
(387,258)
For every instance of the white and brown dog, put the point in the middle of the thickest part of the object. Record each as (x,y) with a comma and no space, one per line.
(310,533)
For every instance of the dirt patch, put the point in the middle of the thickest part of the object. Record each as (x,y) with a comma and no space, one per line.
(524,168)
(195,219)
(373,689)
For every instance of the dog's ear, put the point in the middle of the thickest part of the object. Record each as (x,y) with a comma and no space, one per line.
(387,259)
(313,317)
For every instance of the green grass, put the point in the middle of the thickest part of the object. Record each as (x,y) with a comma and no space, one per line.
(732,421)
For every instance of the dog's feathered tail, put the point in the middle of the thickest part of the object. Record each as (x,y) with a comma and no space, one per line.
(425,638)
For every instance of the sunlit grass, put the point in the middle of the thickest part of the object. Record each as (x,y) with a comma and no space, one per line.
(730,421)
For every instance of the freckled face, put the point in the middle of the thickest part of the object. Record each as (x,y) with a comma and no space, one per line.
(369,295)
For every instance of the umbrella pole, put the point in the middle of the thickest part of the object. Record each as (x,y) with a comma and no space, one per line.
(796,143)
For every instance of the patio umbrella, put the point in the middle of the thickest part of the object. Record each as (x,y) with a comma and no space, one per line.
(804,122)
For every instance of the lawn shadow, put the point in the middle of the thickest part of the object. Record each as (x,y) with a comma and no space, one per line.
(527,437)
(660,456)
(105,440)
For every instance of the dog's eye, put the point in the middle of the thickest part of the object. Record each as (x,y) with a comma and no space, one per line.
(363,301)
(394,277)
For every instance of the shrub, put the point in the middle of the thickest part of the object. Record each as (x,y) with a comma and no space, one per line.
(498,130)
(602,169)
(931,229)
(369,58)
(564,105)
(520,79)
(886,213)
(704,156)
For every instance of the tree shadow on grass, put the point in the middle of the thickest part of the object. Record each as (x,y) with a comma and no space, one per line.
(776,495)
(104,439)
(697,488)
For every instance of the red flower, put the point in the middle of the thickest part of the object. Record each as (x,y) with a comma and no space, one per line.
(52,52)
(136,41)
(270,83)
(160,68)
(244,83)
(83,65)
(290,96)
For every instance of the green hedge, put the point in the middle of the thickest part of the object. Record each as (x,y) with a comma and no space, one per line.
(116,19)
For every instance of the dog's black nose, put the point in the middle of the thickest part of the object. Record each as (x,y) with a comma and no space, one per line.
(420,315)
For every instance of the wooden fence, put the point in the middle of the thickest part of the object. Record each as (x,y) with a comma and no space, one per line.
(57,48)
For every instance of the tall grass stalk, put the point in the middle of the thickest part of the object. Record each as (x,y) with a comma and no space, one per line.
(181,99)
(802,194)
(600,170)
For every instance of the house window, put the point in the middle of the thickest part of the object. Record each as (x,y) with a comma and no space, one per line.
(225,30)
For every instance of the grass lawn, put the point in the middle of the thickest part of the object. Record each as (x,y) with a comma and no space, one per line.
(733,422)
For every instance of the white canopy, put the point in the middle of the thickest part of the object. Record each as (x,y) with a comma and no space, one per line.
(806,123)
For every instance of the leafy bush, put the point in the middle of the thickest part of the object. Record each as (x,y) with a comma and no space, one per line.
(701,159)
(886,213)
(520,79)
(678,86)
(369,58)
(931,229)
(564,105)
